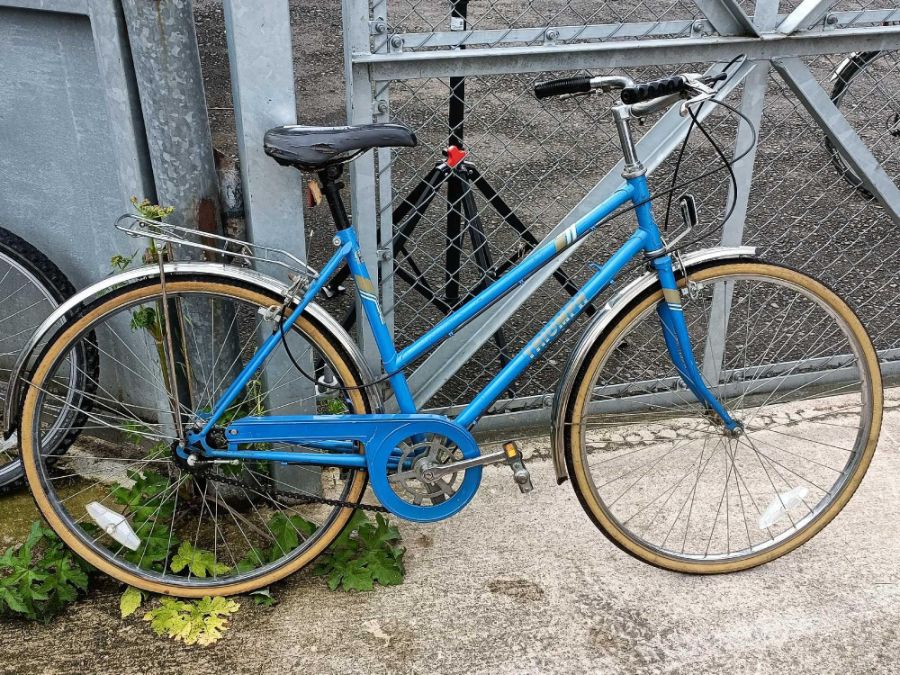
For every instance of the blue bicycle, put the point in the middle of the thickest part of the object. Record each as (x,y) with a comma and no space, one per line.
(716,413)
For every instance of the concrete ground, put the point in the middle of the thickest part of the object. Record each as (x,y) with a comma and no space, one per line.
(526,584)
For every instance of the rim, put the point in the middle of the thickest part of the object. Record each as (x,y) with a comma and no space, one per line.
(111,309)
(798,525)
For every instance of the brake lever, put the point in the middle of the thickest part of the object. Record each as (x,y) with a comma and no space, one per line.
(700,92)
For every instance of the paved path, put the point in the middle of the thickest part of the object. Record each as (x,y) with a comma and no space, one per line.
(522,584)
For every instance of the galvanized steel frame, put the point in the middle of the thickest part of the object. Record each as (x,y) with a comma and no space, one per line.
(375,57)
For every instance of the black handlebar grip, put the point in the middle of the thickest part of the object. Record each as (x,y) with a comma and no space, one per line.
(646,91)
(567,85)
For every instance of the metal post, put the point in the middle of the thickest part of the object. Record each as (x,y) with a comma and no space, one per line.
(260,54)
(384,157)
(362,171)
(754,97)
(262,78)
(170,83)
(116,65)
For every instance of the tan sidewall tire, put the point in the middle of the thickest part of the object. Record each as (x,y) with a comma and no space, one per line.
(576,459)
(59,346)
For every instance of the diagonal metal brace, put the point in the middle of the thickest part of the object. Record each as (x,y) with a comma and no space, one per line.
(807,13)
(844,138)
(727,17)
(655,145)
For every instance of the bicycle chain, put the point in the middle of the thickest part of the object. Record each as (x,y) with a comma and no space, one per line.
(304,499)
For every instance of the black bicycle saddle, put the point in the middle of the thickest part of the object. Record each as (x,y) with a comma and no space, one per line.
(315,148)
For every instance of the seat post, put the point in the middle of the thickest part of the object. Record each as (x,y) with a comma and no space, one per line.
(332,185)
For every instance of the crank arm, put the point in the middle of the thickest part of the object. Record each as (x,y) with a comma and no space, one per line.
(431,474)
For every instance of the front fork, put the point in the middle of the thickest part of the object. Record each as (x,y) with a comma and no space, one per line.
(678,342)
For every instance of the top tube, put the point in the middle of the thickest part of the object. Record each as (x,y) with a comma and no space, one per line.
(536,260)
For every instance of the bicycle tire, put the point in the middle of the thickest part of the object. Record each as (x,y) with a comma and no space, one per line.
(41,272)
(66,518)
(633,479)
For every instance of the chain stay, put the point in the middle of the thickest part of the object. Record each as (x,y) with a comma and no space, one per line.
(305,499)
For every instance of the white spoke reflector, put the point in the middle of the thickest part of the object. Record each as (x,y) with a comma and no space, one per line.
(781,505)
(114,524)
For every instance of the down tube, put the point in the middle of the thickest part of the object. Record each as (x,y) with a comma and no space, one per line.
(549,334)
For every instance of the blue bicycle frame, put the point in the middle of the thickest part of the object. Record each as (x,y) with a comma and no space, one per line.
(334,432)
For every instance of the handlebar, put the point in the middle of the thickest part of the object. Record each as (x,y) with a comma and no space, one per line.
(567,85)
(631,92)
(644,91)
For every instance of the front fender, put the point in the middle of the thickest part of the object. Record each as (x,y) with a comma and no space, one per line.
(227,272)
(594,330)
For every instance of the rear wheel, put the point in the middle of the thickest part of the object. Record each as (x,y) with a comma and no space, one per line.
(125,503)
(666,482)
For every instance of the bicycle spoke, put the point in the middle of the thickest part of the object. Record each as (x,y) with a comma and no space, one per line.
(198,525)
(694,491)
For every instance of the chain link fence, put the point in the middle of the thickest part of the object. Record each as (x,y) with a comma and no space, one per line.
(808,209)
(530,162)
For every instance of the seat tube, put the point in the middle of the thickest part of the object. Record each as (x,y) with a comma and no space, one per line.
(368,295)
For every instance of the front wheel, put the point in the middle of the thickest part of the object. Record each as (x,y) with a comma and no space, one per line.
(121,498)
(659,474)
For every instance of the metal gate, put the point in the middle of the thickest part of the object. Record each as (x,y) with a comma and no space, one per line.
(818,79)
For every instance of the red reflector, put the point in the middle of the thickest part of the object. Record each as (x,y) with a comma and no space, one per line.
(455,156)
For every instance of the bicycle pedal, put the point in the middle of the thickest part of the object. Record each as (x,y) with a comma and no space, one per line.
(521,475)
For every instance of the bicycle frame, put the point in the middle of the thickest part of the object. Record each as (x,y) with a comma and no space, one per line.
(341,450)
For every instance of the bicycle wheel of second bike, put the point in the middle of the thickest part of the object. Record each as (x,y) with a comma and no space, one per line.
(865,92)
(665,482)
(31,287)
(123,501)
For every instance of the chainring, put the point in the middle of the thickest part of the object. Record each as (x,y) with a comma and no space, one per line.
(434,451)
(398,465)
